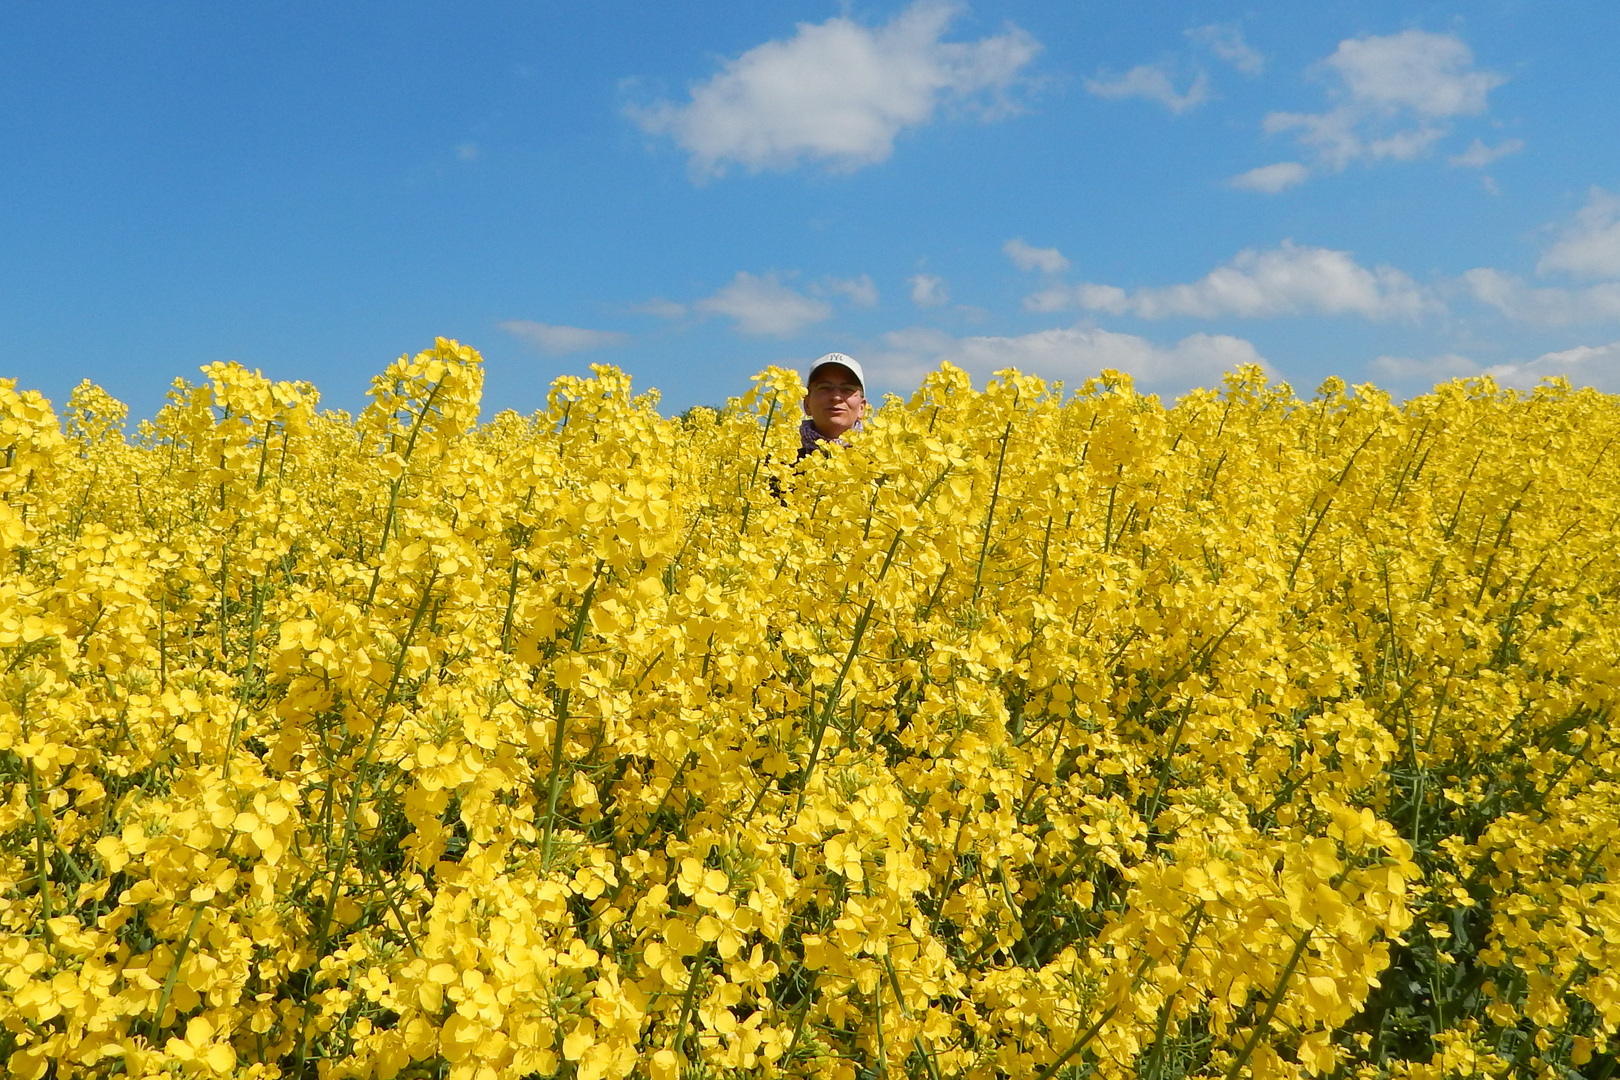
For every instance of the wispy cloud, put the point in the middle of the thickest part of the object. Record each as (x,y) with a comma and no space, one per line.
(1547,306)
(561,340)
(928,291)
(763,306)
(1584,365)
(860,291)
(1431,369)
(1071,354)
(1028,257)
(1285,280)
(1151,81)
(1586,247)
(1157,81)
(1396,95)
(664,309)
(1271,179)
(1478,155)
(839,92)
(1225,40)
(1589,246)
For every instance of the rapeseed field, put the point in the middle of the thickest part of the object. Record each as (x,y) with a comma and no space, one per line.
(1042,732)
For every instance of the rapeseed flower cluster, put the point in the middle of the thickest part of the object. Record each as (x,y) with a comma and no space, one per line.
(1037,733)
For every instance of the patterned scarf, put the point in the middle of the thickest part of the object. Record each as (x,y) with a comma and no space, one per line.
(810,437)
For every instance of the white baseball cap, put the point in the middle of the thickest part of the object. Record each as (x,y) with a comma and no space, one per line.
(844,361)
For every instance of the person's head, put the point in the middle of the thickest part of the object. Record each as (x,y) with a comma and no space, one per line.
(835,394)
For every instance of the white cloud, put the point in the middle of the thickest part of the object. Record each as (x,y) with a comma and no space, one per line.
(558,340)
(1152,82)
(1548,306)
(1431,74)
(860,290)
(1431,369)
(1028,257)
(1395,95)
(839,92)
(764,306)
(1478,155)
(1071,354)
(1339,137)
(467,151)
(1590,245)
(664,309)
(1586,247)
(1584,365)
(1286,280)
(929,291)
(1052,298)
(1225,40)
(1271,178)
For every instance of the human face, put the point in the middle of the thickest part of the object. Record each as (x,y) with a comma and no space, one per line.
(834,401)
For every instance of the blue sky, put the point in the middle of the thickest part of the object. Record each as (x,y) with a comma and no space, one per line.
(1394,193)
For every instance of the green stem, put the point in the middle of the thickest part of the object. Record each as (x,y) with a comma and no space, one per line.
(247,677)
(1108,522)
(1079,1044)
(264,453)
(511,603)
(394,488)
(350,830)
(764,438)
(838,683)
(174,973)
(1164,768)
(990,514)
(163,636)
(804,1013)
(1299,556)
(42,865)
(689,1000)
(1156,1059)
(370,863)
(553,785)
(764,441)
(1271,1006)
(877,1016)
(923,1051)
(511,584)
(1091,1032)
